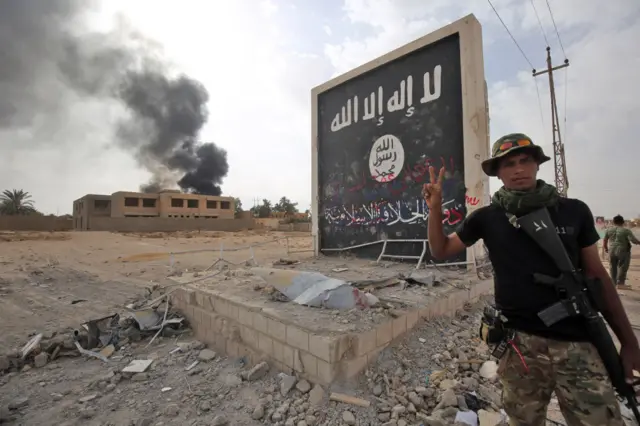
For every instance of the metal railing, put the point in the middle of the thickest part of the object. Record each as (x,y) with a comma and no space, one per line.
(393,256)
(221,249)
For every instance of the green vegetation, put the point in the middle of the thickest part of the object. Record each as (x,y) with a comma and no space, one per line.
(17,202)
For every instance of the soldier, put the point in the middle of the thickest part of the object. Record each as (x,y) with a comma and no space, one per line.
(540,359)
(619,250)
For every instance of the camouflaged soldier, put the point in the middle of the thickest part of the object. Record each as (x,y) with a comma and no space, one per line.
(539,360)
(617,242)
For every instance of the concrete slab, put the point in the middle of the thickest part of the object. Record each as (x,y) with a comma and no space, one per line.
(234,314)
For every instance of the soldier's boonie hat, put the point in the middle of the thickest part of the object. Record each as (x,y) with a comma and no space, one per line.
(509,144)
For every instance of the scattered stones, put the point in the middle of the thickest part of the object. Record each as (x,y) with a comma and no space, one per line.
(171,410)
(220,420)
(206,355)
(88,398)
(316,396)
(258,412)
(88,412)
(449,398)
(377,390)
(41,359)
(489,418)
(140,377)
(489,370)
(411,383)
(232,380)
(348,418)
(286,384)
(303,386)
(18,403)
(5,364)
(258,372)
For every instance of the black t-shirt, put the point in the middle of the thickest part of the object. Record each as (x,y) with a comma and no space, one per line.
(515,257)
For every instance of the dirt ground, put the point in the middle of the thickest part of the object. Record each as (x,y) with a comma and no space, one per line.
(41,274)
(52,282)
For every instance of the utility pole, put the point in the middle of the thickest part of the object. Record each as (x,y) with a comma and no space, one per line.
(562,181)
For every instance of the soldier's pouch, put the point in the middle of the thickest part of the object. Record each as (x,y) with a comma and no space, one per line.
(492,334)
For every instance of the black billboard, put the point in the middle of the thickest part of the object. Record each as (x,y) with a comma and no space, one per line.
(378,133)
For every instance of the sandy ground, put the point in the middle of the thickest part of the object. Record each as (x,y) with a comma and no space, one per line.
(41,274)
(53,282)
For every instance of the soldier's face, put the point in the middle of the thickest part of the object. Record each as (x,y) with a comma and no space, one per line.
(518,171)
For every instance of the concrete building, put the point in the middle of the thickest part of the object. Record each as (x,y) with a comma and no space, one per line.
(165,204)
(91,205)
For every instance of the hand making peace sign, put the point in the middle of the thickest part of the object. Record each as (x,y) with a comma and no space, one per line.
(432,191)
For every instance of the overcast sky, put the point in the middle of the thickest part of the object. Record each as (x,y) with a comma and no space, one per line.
(260,59)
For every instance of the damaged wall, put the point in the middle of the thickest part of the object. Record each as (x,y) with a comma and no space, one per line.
(378,128)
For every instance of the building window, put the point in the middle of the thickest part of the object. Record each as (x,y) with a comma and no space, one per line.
(225,205)
(212,204)
(193,204)
(177,202)
(131,202)
(101,204)
(148,202)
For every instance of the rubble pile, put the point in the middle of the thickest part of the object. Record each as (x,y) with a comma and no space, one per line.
(292,402)
(100,337)
(441,374)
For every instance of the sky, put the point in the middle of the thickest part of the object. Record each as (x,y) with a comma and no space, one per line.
(260,59)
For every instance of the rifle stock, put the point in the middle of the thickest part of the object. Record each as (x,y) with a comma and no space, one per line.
(580,295)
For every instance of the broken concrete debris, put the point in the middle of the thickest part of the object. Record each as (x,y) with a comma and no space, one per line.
(137,366)
(314,289)
(451,381)
(98,338)
(206,355)
(448,381)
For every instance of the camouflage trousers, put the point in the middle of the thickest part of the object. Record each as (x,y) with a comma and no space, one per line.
(619,262)
(572,369)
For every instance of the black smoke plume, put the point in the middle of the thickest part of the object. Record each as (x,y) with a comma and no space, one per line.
(50,59)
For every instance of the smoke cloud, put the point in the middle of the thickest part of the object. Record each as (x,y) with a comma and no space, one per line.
(50,59)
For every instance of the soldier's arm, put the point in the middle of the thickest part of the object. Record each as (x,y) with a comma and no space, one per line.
(632,237)
(605,241)
(613,310)
(444,246)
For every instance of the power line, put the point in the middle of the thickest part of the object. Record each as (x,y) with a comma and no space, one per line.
(511,35)
(544,33)
(524,55)
(556,28)
(566,72)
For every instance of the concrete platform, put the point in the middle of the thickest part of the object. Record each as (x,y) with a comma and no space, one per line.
(320,345)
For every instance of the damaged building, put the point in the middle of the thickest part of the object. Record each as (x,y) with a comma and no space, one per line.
(169,204)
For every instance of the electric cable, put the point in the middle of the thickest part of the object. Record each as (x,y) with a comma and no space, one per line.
(544,33)
(524,55)
(556,28)
(511,35)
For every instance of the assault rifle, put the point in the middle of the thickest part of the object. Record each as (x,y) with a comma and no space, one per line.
(579,296)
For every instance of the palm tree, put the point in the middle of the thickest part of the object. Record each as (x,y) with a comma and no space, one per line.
(16,202)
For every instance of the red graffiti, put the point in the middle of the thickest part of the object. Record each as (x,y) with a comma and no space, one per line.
(416,174)
(452,217)
(360,185)
(471,201)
